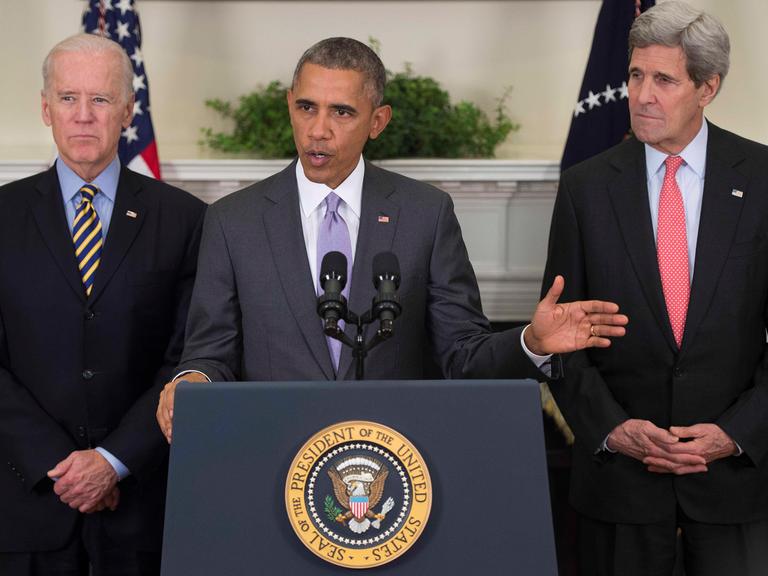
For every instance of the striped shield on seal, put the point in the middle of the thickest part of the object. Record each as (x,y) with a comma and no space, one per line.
(359,506)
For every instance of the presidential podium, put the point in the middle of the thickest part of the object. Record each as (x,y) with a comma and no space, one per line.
(294,478)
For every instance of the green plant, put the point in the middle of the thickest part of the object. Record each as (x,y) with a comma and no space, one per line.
(424,123)
(262,125)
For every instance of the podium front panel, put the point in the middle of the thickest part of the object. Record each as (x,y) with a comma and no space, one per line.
(482,441)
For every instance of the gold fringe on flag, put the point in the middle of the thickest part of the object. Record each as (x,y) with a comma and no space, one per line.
(551,409)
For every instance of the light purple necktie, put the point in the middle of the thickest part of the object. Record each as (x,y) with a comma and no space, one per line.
(333,236)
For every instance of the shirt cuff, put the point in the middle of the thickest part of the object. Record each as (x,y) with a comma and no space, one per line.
(183,372)
(604,447)
(120,468)
(543,363)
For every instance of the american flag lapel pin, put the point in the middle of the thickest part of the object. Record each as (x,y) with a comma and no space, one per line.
(737,193)
(131,214)
(383,219)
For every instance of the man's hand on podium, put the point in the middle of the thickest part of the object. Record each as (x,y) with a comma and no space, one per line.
(164,412)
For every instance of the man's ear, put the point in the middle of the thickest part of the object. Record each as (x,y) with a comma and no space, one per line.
(45,109)
(710,88)
(128,112)
(379,120)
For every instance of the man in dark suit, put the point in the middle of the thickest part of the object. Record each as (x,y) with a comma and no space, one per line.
(671,422)
(97,265)
(253,313)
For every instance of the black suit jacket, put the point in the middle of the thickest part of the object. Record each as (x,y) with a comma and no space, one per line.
(602,242)
(253,313)
(78,373)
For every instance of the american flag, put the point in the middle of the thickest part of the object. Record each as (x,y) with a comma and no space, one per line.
(601,115)
(119,21)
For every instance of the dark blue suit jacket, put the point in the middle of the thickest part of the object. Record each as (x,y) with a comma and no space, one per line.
(602,241)
(78,373)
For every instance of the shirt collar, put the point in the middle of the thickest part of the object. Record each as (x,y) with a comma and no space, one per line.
(71,183)
(312,194)
(694,154)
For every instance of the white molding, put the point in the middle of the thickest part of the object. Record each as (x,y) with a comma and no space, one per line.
(11,170)
(504,208)
(431,170)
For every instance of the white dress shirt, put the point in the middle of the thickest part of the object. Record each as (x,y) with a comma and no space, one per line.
(312,200)
(690,180)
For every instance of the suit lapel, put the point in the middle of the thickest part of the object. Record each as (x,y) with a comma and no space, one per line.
(123,229)
(284,232)
(48,210)
(629,197)
(378,223)
(720,212)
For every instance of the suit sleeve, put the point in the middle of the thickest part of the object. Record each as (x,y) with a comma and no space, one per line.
(582,394)
(746,422)
(32,440)
(214,335)
(460,334)
(138,442)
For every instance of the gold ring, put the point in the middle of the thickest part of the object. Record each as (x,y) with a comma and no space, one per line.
(592,330)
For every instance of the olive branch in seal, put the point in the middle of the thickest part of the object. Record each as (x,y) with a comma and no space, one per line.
(331,510)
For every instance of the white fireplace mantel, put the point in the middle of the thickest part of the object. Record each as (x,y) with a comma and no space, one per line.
(504,207)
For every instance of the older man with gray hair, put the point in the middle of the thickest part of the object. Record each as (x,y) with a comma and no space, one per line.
(671,422)
(97,265)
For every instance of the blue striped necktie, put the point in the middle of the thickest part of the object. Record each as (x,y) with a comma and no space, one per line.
(86,234)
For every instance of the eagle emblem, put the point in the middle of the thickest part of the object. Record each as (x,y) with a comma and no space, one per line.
(358,483)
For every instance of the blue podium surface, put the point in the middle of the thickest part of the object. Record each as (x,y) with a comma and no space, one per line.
(481,440)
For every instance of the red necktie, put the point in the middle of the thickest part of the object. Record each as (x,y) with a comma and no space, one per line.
(672,249)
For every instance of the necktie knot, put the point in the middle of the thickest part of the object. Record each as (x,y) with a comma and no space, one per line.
(88,192)
(332,202)
(673,164)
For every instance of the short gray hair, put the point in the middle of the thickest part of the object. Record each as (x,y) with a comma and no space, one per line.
(348,54)
(90,44)
(701,37)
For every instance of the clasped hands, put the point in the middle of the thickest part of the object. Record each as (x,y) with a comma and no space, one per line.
(86,481)
(679,450)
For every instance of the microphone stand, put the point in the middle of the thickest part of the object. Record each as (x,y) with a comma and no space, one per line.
(359,347)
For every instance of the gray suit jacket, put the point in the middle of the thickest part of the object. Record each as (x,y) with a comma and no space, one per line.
(253,317)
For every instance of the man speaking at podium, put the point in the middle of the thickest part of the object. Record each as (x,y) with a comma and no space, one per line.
(253,312)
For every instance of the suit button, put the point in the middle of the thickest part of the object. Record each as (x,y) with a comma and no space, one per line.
(89,315)
(678,373)
(88,374)
(80,431)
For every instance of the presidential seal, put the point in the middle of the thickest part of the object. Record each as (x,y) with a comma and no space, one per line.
(358,494)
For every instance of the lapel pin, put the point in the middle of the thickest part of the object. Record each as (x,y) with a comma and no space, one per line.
(131,214)
(383,219)
(737,193)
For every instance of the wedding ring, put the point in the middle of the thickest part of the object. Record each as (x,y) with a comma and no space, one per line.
(592,330)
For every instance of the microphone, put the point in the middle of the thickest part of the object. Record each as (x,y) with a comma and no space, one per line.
(331,305)
(386,280)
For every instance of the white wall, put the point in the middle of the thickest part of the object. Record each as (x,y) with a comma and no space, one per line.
(203,49)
